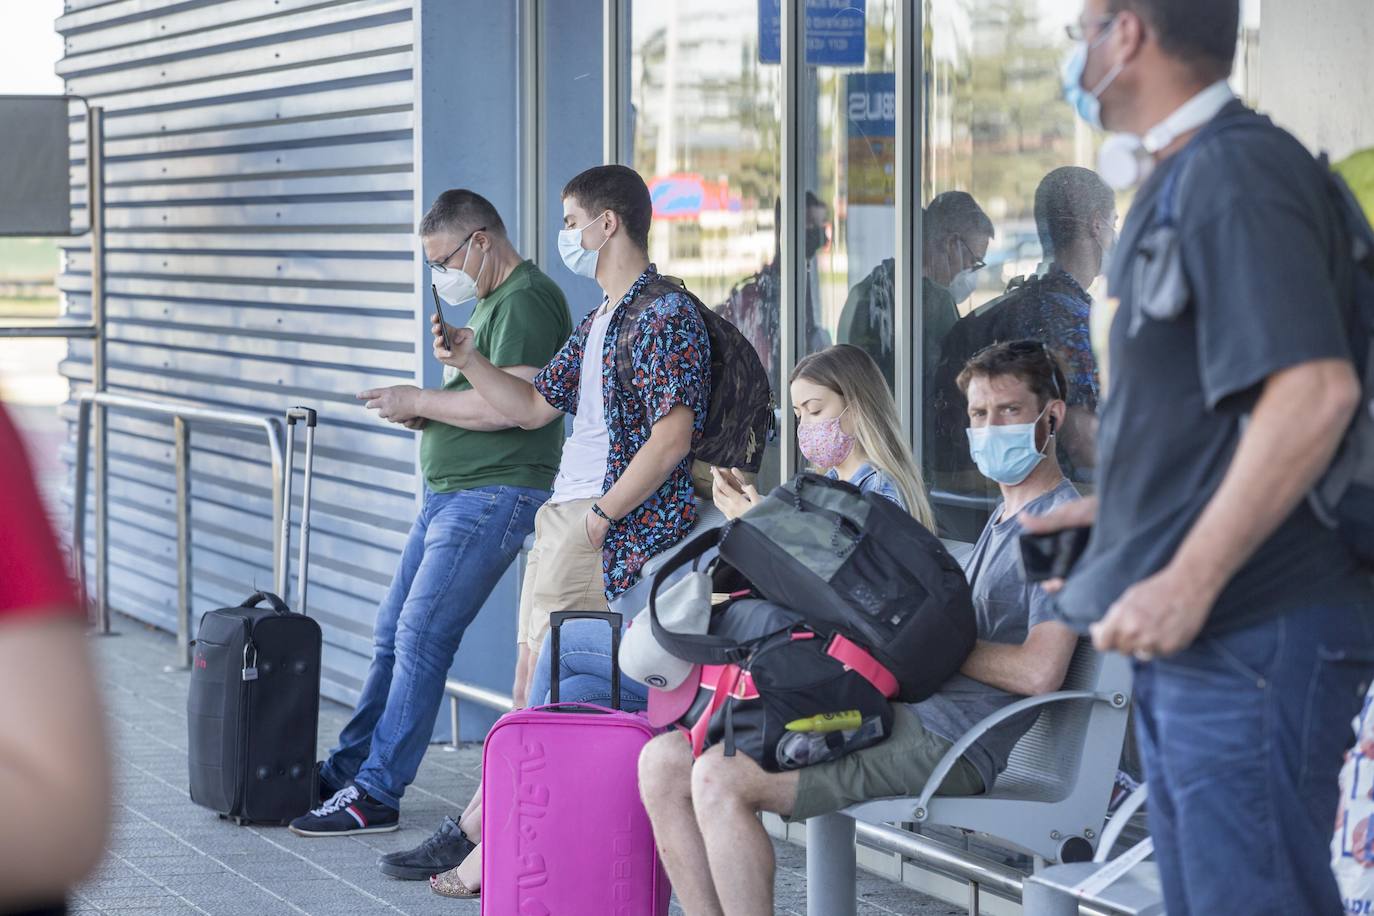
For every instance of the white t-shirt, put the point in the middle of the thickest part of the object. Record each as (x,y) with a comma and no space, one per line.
(582,472)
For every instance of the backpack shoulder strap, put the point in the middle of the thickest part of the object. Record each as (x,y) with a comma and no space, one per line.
(677,285)
(702,649)
(1167,208)
(649,293)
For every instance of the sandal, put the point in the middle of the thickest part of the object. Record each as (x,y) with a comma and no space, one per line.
(449,884)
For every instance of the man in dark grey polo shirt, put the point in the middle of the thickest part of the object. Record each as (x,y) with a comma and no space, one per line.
(1228,386)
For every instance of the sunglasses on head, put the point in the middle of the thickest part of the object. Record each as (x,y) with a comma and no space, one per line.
(1025,348)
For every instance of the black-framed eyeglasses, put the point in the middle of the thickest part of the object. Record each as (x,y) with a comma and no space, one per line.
(439,264)
(978,263)
(1077,31)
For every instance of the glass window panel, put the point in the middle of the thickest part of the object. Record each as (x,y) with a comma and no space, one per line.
(996,134)
(1016,225)
(849,128)
(706,124)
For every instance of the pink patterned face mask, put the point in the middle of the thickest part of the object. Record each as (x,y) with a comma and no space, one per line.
(824,443)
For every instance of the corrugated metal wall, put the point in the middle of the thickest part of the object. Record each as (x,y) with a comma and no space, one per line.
(260,211)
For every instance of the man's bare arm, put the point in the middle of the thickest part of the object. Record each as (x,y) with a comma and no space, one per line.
(1036,666)
(669,442)
(468,409)
(1294,430)
(512,397)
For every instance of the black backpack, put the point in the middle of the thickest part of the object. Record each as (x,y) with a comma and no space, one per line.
(740,413)
(793,676)
(847,562)
(1343,499)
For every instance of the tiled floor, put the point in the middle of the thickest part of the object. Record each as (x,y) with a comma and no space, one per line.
(170,856)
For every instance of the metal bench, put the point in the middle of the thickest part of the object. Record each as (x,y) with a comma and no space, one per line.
(1050,802)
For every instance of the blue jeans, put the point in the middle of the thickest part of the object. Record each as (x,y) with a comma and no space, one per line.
(584,671)
(1242,736)
(458,548)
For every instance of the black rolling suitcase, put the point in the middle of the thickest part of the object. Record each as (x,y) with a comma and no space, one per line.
(253,706)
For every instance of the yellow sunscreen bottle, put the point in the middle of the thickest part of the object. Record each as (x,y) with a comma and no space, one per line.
(828,722)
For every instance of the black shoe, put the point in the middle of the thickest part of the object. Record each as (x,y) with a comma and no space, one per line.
(449,846)
(325,789)
(349,811)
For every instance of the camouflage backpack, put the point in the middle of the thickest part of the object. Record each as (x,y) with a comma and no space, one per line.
(740,413)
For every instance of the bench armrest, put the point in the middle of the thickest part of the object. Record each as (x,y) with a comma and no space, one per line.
(937,776)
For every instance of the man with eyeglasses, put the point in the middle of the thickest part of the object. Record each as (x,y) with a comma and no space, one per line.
(484,481)
(956,234)
(1228,386)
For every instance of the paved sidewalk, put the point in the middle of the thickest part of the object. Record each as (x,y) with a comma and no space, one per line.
(170,856)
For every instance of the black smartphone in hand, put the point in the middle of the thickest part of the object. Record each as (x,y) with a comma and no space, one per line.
(439,313)
(1052,556)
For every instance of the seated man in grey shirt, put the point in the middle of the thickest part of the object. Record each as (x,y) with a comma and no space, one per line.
(1016,401)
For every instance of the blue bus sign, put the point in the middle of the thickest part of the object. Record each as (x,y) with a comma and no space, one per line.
(834,32)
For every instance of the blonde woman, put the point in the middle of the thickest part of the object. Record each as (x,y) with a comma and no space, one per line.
(847,429)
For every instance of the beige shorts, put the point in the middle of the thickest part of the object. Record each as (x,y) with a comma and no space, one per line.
(898,767)
(563,571)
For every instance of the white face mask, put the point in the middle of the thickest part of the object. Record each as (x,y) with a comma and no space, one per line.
(963,284)
(454,285)
(581,261)
(1125,160)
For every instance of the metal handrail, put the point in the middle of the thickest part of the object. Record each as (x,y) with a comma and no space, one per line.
(461,690)
(50,329)
(181,415)
(935,856)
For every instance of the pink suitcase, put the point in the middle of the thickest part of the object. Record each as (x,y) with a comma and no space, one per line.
(563,829)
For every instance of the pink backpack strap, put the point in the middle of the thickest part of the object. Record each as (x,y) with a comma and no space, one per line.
(720,680)
(856,658)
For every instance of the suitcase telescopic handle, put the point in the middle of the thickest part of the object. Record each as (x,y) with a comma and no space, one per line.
(301,413)
(556,621)
(294,415)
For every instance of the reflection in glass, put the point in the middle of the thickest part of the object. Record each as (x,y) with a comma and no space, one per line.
(995,128)
(706,123)
(753,304)
(1015,226)
(849,129)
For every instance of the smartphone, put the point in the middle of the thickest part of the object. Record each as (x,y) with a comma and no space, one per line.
(439,313)
(1052,556)
(731,478)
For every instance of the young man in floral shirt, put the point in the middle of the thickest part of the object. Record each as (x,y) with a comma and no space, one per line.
(624,488)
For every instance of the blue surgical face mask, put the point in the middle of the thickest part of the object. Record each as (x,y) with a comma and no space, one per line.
(1007,453)
(1087,102)
(581,261)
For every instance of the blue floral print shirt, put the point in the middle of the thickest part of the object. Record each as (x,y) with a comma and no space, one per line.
(670,357)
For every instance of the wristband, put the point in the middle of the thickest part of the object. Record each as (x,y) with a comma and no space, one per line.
(602,513)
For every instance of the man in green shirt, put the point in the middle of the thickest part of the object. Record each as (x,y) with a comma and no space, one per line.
(484,481)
